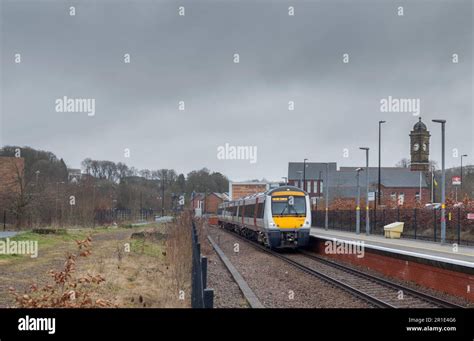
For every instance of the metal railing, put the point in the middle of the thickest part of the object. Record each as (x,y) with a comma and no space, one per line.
(420,223)
(201,296)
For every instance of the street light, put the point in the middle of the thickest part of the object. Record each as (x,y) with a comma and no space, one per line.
(367,222)
(286,180)
(326,195)
(38,173)
(57,198)
(162,196)
(301,177)
(358,170)
(443,182)
(326,198)
(380,151)
(464,155)
(304,175)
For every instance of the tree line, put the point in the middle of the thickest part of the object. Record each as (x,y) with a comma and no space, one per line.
(51,195)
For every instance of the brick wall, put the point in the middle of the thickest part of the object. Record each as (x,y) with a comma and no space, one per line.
(243,190)
(435,277)
(409,193)
(211,203)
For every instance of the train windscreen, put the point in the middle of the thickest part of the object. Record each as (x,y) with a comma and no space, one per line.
(289,206)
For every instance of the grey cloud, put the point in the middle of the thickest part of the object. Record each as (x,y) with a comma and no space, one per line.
(190,59)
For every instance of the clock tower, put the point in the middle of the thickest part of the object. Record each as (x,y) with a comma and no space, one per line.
(420,147)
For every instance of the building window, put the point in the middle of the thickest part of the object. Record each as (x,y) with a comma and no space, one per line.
(308,186)
(393,196)
(315,186)
(401,199)
(321,186)
(417,196)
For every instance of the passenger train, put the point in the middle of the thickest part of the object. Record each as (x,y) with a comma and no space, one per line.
(278,218)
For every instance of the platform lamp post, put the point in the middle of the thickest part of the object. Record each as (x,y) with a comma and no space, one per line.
(304,174)
(358,201)
(443,182)
(286,180)
(326,217)
(367,213)
(301,177)
(380,152)
(464,155)
(162,196)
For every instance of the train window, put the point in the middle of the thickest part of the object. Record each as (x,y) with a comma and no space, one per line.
(260,210)
(281,206)
(249,211)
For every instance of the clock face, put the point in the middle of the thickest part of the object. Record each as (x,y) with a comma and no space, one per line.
(416,147)
(424,147)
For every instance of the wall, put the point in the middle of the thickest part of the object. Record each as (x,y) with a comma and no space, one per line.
(242,190)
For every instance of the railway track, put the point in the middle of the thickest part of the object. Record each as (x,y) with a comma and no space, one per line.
(376,291)
(397,295)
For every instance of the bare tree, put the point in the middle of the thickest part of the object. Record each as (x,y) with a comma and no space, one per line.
(17,193)
(403,163)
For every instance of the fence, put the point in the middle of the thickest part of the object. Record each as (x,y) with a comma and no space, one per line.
(201,296)
(8,219)
(107,216)
(420,223)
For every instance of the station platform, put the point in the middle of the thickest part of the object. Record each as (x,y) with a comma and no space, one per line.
(410,247)
(428,264)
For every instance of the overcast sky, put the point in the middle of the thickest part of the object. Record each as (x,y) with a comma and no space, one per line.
(282,58)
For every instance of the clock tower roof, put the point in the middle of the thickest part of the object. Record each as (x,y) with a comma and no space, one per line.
(419,126)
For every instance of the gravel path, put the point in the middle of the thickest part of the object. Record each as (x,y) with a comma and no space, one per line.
(227,293)
(278,284)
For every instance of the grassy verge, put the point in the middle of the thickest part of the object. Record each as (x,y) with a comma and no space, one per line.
(143,266)
(45,241)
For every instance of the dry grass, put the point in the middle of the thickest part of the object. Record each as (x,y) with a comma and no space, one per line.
(67,289)
(152,268)
(179,253)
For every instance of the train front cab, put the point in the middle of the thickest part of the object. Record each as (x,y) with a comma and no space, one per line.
(289,218)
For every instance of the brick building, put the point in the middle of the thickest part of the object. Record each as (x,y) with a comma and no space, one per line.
(398,185)
(207,203)
(239,190)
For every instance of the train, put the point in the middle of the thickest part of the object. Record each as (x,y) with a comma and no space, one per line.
(278,218)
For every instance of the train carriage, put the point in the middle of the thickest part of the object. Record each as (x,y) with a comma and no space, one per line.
(279,218)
